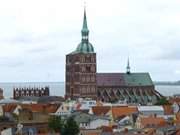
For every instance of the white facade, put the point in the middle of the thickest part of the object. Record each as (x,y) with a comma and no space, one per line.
(1,110)
(7,131)
(98,123)
(87,104)
(94,124)
(150,110)
(65,109)
(16,110)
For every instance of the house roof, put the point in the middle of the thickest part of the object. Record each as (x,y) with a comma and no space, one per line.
(124,79)
(168,110)
(9,107)
(51,99)
(100,110)
(81,117)
(121,111)
(90,131)
(49,108)
(151,120)
(174,100)
(150,108)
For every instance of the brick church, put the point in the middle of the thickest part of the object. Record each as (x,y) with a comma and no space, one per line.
(83,81)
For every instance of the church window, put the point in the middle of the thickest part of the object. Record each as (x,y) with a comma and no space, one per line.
(88,78)
(83,79)
(88,69)
(92,59)
(82,59)
(93,68)
(83,69)
(88,89)
(88,58)
(92,89)
(76,68)
(92,79)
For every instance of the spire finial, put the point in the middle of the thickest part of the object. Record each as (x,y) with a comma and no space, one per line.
(85,31)
(128,67)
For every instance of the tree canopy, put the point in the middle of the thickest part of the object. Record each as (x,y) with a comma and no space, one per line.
(55,124)
(70,127)
(67,127)
(163,101)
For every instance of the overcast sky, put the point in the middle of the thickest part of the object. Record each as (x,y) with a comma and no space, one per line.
(35,36)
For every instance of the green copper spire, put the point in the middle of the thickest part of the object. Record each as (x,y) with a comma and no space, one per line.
(128,67)
(85,46)
(85,31)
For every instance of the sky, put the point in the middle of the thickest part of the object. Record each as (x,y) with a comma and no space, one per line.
(35,36)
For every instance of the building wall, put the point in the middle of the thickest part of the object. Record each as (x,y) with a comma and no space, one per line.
(131,94)
(81,75)
(1,94)
(26,92)
(98,123)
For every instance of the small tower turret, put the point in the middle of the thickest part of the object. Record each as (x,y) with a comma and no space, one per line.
(128,67)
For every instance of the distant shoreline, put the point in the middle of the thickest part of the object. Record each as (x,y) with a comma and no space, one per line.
(168,83)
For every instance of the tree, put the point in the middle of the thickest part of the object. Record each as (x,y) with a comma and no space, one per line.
(56,124)
(163,101)
(70,127)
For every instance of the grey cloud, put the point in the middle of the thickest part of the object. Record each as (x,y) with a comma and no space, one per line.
(170,55)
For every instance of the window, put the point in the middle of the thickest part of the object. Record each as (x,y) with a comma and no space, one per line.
(88,69)
(92,79)
(82,59)
(83,69)
(88,78)
(93,68)
(92,59)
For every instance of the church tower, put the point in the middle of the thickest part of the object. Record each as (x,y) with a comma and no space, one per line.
(81,68)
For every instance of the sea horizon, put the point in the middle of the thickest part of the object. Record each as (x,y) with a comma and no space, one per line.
(58,88)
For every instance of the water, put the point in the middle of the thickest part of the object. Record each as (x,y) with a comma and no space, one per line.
(168,90)
(58,88)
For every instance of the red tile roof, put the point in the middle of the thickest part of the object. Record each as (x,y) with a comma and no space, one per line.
(9,107)
(120,111)
(49,108)
(174,100)
(152,121)
(100,110)
(168,110)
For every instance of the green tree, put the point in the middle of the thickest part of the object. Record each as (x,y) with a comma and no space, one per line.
(70,127)
(56,124)
(163,101)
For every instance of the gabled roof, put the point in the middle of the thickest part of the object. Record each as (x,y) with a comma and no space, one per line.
(9,108)
(124,79)
(121,111)
(81,117)
(49,108)
(168,110)
(100,110)
(155,121)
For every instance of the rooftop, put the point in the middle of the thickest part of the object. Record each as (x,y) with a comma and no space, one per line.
(124,79)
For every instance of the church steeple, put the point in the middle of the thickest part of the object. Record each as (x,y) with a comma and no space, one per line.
(85,31)
(128,67)
(85,46)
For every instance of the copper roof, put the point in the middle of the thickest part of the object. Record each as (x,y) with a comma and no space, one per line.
(123,79)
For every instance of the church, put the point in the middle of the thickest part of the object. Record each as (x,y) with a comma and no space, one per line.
(83,81)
